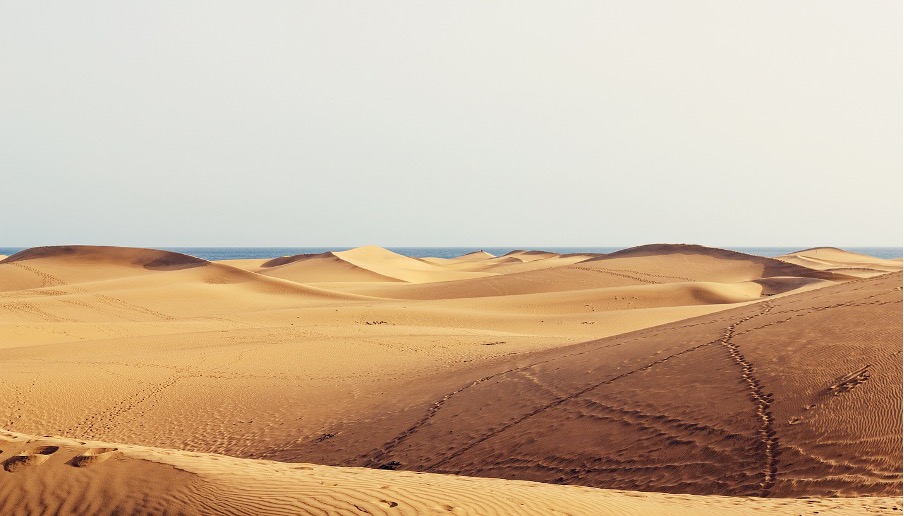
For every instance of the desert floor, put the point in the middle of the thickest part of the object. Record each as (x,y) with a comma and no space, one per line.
(663,379)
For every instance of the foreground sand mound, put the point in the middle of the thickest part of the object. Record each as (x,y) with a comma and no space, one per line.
(838,260)
(797,396)
(79,477)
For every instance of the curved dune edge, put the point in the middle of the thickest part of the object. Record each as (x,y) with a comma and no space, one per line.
(324,267)
(832,259)
(104,478)
(58,266)
(153,259)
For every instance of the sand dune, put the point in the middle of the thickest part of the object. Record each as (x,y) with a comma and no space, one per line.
(647,265)
(51,266)
(476,256)
(841,261)
(666,262)
(412,270)
(364,264)
(717,404)
(319,268)
(652,369)
(104,478)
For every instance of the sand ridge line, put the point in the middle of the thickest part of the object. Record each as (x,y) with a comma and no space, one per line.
(145,480)
(762,399)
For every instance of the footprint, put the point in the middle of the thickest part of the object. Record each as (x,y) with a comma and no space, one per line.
(32,457)
(91,456)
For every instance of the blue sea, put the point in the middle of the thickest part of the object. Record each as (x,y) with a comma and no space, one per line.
(233,253)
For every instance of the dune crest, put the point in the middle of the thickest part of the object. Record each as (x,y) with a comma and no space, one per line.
(104,478)
(837,260)
(148,258)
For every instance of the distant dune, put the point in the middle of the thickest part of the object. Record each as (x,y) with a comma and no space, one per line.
(678,371)
(319,268)
(845,262)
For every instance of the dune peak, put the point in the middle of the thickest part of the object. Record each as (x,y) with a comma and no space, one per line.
(153,259)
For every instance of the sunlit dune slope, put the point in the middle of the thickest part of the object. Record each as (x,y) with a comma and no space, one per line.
(698,263)
(55,265)
(366,264)
(412,270)
(841,261)
(797,396)
(319,268)
(64,476)
(646,265)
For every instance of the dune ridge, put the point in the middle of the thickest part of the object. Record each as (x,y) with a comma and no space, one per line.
(109,478)
(832,259)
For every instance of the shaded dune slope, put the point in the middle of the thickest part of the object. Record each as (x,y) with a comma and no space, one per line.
(798,396)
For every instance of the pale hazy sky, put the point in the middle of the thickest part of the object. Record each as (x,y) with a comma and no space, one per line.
(397,123)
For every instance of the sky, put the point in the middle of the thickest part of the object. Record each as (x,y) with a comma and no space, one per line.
(411,123)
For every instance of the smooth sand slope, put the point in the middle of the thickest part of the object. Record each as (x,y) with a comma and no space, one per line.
(768,378)
(845,262)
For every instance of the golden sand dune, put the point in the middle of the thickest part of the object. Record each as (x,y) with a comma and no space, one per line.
(845,262)
(740,376)
(51,266)
(668,262)
(798,396)
(476,256)
(393,265)
(363,264)
(64,476)
(646,265)
(319,268)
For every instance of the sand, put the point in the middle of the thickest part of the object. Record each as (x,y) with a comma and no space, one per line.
(845,262)
(54,475)
(650,380)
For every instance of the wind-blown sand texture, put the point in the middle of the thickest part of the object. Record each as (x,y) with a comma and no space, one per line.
(662,369)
